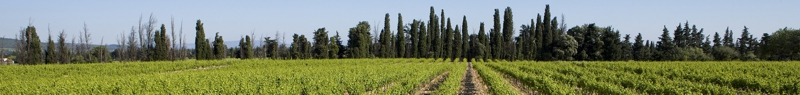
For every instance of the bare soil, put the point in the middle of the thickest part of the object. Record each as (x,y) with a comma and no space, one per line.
(433,84)
(472,84)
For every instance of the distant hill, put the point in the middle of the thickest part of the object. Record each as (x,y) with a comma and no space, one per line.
(9,44)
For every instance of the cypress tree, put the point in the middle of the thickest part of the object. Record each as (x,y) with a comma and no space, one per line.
(385,41)
(321,49)
(548,34)
(484,40)
(432,34)
(161,44)
(34,49)
(539,37)
(249,47)
(424,45)
(496,37)
(240,54)
(415,39)
(360,41)
(456,42)
(201,44)
(465,38)
(50,54)
(508,31)
(448,48)
(400,43)
(219,47)
(63,49)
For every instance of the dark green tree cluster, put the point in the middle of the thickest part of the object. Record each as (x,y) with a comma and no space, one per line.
(301,48)
(321,44)
(29,50)
(246,48)
(219,48)
(358,46)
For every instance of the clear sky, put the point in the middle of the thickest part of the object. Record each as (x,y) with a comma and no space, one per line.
(107,19)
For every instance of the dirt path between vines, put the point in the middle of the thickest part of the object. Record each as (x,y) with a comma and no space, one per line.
(197,68)
(518,86)
(433,84)
(472,84)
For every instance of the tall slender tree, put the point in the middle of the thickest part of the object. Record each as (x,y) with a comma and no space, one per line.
(162,47)
(202,49)
(465,38)
(508,31)
(484,40)
(400,42)
(64,56)
(496,41)
(50,54)
(424,46)
(385,39)
(456,44)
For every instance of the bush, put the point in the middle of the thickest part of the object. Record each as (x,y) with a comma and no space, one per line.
(724,53)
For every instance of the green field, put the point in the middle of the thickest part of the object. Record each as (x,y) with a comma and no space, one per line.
(400,76)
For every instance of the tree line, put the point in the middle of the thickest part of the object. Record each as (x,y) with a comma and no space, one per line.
(543,39)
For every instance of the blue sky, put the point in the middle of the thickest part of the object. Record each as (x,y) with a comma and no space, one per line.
(107,19)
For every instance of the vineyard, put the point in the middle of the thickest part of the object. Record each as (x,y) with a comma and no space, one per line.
(401,76)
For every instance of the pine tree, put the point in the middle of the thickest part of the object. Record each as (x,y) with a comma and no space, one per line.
(400,43)
(666,47)
(728,39)
(612,49)
(627,48)
(321,47)
(639,48)
(717,41)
